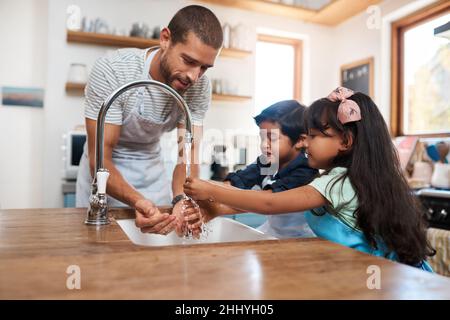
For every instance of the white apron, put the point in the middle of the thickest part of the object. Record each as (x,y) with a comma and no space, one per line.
(137,154)
(287,225)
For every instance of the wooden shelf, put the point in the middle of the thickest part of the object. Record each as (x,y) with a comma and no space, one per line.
(78,89)
(75,88)
(229,97)
(134,42)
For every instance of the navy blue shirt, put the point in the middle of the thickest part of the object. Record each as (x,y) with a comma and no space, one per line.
(295,174)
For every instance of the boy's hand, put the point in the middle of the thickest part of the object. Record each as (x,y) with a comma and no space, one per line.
(197,189)
(209,210)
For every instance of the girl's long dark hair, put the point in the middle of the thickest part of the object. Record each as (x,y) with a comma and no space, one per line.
(387,210)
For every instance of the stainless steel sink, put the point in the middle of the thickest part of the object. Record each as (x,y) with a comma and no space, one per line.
(221,230)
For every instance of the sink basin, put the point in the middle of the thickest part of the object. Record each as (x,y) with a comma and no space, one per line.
(221,230)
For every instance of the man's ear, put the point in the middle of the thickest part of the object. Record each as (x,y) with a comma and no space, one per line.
(301,142)
(165,37)
(346,142)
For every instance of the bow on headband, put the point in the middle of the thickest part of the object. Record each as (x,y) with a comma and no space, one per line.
(348,110)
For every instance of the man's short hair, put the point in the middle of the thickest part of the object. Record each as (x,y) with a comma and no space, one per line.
(199,20)
(289,115)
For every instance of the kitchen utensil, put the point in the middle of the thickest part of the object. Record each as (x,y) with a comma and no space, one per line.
(423,171)
(433,153)
(217,86)
(226,29)
(236,40)
(156,32)
(443,148)
(78,73)
(441,176)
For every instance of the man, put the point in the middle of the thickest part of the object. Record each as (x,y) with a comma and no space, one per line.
(138,118)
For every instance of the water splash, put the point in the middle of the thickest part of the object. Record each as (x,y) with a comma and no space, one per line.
(187,154)
(205,228)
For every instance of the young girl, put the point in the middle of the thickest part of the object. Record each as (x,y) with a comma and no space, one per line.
(368,204)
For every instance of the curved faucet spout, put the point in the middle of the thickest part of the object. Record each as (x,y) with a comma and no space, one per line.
(98,208)
(114,95)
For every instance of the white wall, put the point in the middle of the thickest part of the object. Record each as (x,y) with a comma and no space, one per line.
(23,63)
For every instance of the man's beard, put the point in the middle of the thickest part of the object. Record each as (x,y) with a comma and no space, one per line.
(166,73)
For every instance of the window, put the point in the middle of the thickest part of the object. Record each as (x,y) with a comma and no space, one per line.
(278,70)
(421,74)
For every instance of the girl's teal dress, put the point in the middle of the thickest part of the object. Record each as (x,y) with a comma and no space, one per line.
(342,228)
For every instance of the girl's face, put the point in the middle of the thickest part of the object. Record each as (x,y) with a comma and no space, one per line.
(322,149)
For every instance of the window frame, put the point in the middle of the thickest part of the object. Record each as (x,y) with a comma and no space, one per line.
(297,44)
(398,29)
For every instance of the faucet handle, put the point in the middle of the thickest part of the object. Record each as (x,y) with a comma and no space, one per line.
(102,179)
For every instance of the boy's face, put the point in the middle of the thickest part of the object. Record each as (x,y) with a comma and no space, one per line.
(275,146)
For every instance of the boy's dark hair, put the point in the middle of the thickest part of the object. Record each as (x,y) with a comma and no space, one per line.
(201,21)
(387,210)
(289,115)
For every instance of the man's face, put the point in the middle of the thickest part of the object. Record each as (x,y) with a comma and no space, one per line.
(182,64)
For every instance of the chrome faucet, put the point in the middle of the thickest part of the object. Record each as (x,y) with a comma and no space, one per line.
(97,213)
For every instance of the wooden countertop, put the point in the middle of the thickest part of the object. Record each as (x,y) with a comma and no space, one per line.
(37,246)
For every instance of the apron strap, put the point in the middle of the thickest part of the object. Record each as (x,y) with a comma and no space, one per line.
(145,76)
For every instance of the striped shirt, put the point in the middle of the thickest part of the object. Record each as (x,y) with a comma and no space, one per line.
(125,65)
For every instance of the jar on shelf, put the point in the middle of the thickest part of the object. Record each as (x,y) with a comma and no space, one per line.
(235,40)
(240,37)
(217,86)
(78,73)
(226,29)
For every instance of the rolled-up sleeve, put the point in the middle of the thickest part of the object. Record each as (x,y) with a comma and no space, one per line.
(101,83)
(246,178)
(294,180)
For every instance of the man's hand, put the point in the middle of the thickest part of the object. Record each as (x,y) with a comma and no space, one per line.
(150,220)
(197,189)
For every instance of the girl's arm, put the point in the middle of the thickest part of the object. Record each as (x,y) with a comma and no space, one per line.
(219,209)
(211,210)
(298,199)
(214,208)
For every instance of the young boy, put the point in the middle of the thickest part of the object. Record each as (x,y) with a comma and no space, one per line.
(282,166)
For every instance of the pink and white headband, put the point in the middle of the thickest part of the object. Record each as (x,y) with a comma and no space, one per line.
(348,110)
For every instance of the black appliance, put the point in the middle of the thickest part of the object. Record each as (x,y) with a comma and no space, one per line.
(437,206)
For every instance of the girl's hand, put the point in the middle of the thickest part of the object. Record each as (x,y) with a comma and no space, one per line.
(189,219)
(197,189)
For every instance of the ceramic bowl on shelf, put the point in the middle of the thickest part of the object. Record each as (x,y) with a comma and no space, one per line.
(78,73)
